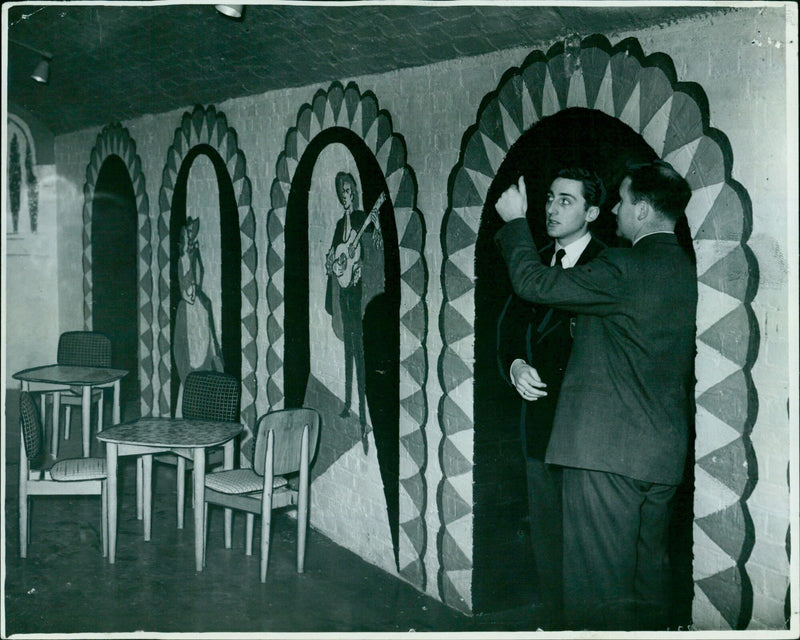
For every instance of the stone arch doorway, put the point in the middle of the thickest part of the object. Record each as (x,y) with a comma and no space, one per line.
(208,129)
(672,118)
(114,141)
(346,108)
(575,137)
(114,281)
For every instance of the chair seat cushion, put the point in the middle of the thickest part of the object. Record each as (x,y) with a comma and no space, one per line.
(235,481)
(74,469)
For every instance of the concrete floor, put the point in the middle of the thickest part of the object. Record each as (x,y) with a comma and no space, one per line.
(66,586)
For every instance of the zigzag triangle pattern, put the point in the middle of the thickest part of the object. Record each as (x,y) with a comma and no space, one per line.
(115,140)
(346,107)
(614,81)
(205,125)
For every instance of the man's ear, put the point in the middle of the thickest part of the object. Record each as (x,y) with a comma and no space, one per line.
(592,213)
(643,210)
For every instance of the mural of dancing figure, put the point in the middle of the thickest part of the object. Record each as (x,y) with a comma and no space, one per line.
(343,265)
(194,342)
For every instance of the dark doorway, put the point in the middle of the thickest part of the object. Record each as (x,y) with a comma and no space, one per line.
(381,321)
(114,272)
(226,230)
(573,137)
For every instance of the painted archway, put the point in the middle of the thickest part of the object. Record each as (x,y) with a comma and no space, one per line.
(206,126)
(114,140)
(347,108)
(672,118)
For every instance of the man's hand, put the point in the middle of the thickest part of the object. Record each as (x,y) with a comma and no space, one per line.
(513,203)
(527,381)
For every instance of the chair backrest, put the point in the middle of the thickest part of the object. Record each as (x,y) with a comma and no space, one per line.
(31,426)
(287,425)
(211,395)
(84,348)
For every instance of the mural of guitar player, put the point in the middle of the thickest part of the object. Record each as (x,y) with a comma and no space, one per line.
(346,295)
(194,342)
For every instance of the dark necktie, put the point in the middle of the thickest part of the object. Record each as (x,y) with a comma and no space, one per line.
(560,254)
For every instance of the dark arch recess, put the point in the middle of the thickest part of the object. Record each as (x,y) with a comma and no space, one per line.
(114,268)
(230,255)
(381,317)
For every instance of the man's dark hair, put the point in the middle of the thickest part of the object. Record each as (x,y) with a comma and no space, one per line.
(594,192)
(663,188)
(340,179)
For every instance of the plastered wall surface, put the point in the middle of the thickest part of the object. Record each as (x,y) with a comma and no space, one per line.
(740,64)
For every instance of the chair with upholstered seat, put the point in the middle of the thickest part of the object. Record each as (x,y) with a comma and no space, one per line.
(41,474)
(82,349)
(207,395)
(285,445)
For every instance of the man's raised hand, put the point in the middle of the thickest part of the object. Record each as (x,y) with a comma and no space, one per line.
(513,203)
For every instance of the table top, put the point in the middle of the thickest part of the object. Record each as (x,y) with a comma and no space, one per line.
(70,374)
(171,432)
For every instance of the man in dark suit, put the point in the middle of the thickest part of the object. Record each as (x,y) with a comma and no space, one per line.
(622,420)
(534,343)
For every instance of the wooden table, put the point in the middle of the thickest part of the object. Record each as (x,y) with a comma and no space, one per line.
(146,436)
(56,378)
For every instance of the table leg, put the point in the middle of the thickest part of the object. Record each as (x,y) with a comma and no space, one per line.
(228,464)
(111,468)
(198,498)
(86,413)
(56,416)
(115,413)
(147,497)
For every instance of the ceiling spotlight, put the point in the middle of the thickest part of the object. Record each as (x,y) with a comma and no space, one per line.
(231,10)
(42,71)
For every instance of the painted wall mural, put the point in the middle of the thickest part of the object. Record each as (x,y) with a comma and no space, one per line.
(345,132)
(205,132)
(114,141)
(672,118)
(23,184)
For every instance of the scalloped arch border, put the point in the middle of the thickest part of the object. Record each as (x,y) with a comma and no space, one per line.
(205,125)
(348,108)
(115,140)
(625,85)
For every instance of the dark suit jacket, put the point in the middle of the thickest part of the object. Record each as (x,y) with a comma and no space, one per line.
(626,401)
(541,336)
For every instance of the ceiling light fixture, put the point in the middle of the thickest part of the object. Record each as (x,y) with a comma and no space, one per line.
(42,71)
(230,10)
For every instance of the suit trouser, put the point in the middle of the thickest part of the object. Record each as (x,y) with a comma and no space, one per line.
(616,564)
(544,512)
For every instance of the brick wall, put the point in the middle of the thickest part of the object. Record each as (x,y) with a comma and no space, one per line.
(739,62)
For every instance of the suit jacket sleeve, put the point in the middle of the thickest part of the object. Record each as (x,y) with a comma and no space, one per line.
(593,288)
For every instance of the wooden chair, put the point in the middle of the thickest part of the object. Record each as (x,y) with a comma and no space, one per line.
(285,444)
(40,474)
(83,349)
(207,395)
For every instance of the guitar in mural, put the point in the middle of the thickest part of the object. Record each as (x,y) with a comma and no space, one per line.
(346,256)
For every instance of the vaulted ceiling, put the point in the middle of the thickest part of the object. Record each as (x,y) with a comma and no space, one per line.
(114,63)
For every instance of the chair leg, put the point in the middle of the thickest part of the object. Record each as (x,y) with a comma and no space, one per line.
(302,525)
(68,422)
(56,420)
(180,478)
(302,503)
(104,517)
(266,521)
(248,536)
(139,488)
(23,524)
(100,412)
(205,531)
